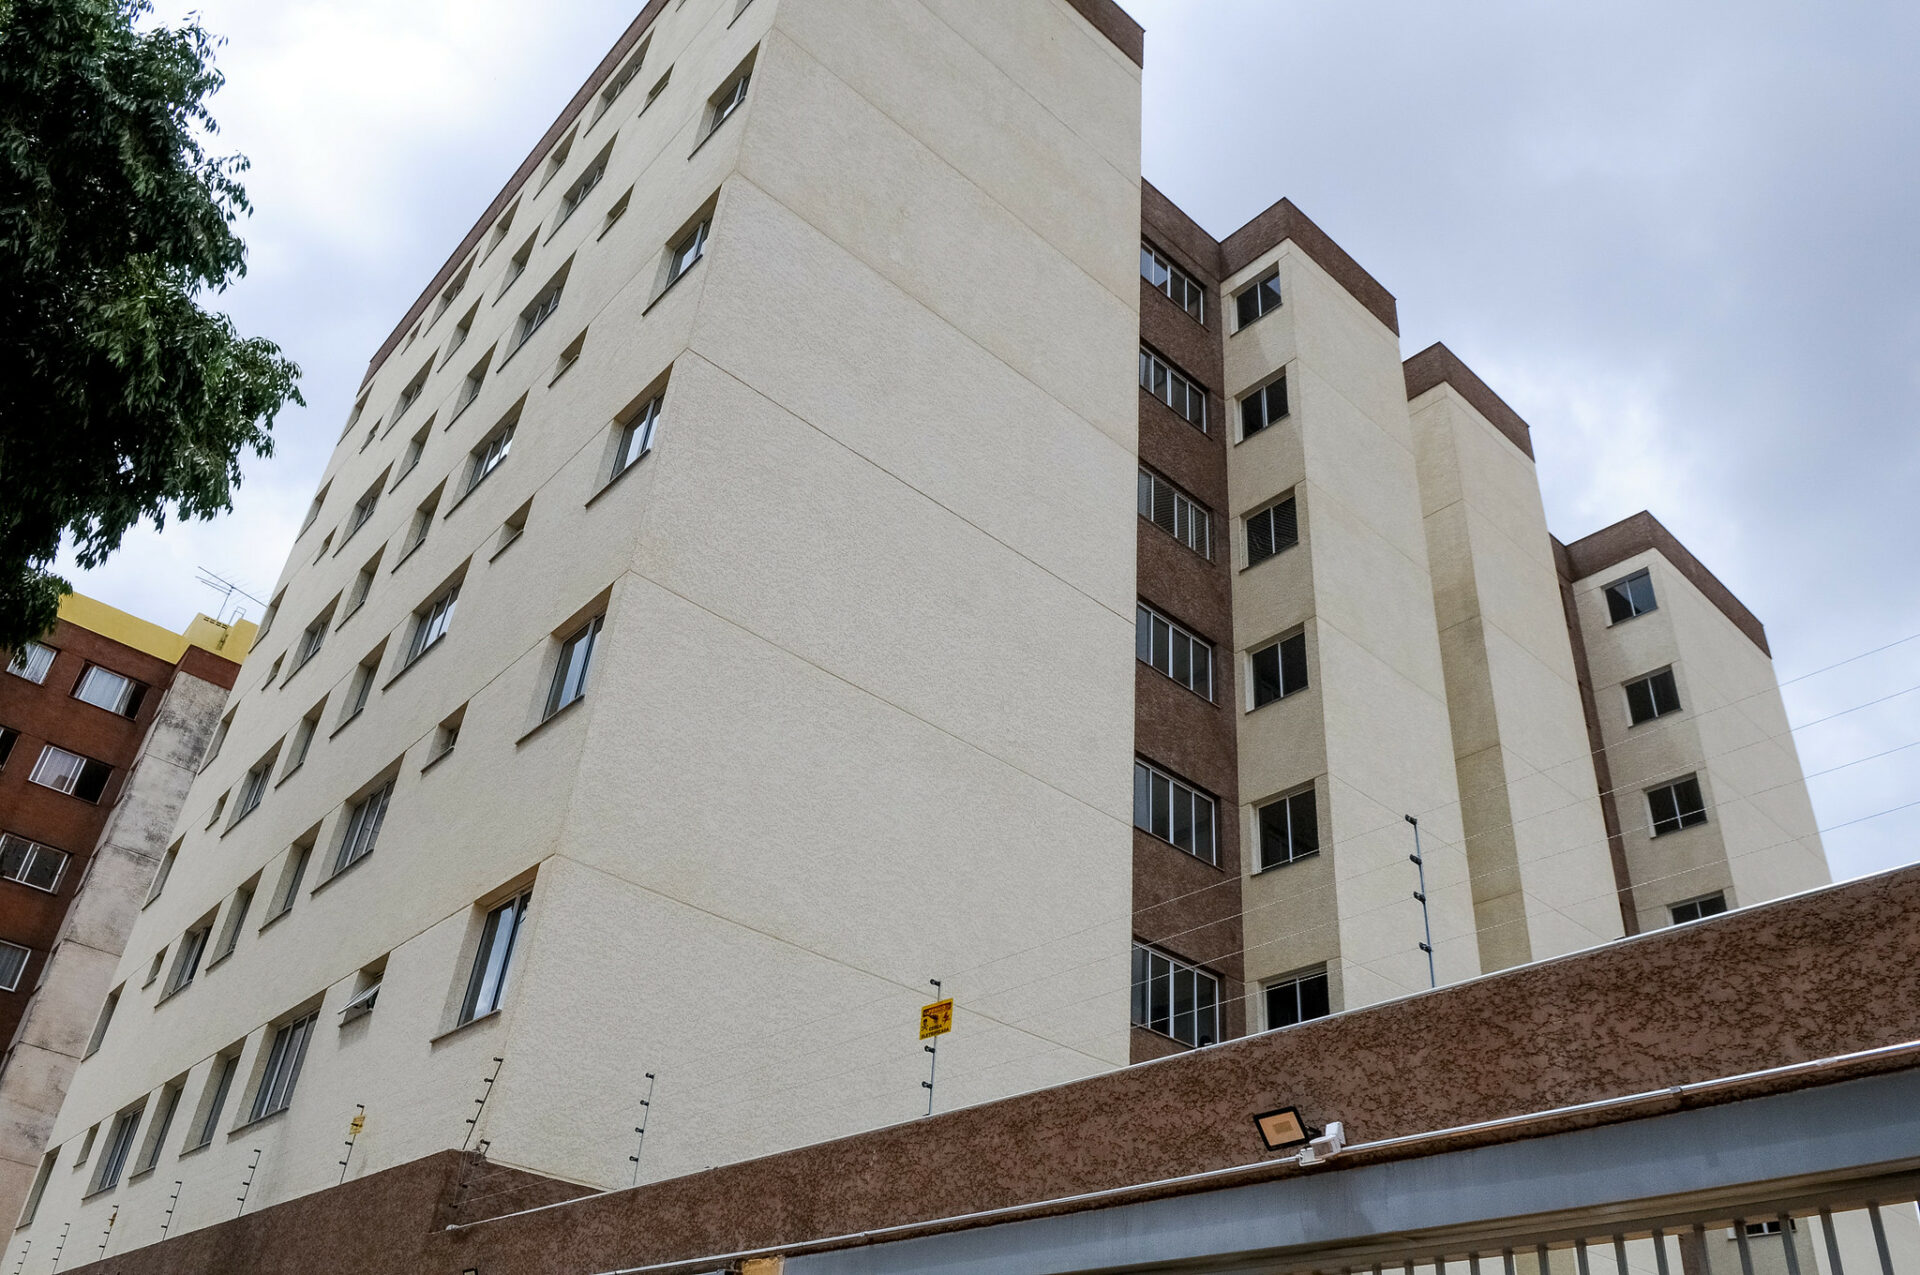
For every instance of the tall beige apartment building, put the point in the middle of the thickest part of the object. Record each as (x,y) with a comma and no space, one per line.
(715,623)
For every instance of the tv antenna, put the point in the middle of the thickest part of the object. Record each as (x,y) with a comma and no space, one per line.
(227,589)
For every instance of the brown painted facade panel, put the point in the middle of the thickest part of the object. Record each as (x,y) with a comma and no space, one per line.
(1437,364)
(1610,546)
(1812,977)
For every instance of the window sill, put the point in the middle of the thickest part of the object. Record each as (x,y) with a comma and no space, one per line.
(551,718)
(187,1151)
(609,484)
(1276,867)
(712,132)
(169,995)
(335,876)
(270,921)
(97,1191)
(143,1173)
(672,284)
(1264,561)
(436,759)
(488,1017)
(290,773)
(508,543)
(411,550)
(237,821)
(219,960)
(1245,437)
(348,721)
(408,667)
(257,1121)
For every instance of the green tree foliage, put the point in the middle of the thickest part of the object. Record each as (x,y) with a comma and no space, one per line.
(121,398)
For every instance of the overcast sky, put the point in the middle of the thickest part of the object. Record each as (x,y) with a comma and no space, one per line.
(1679,239)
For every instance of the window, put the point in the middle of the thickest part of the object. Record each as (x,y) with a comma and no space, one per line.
(103,688)
(517,266)
(487,984)
(219,1084)
(283,1068)
(162,1125)
(653,94)
(39,1188)
(515,524)
(1174,388)
(361,687)
(1173,811)
(1272,531)
(1170,509)
(312,639)
(363,827)
(31,863)
(361,1003)
(219,808)
(1261,299)
(1696,909)
(461,331)
(487,456)
(266,621)
(728,100)
(540,309)
(569,356)
(1676,806)
(617,211)
(501,229)
(1165,646)
(165,870)
(618,84)
(411,394)
(1654,695)
(1279,670)
(636,436)
(254,787)
(682,255)
(186,961)
(570,674)
(303,739)
(1179,286)
(558,160)
(320,500)
(1263,407)
(325,544)
(422,522)
(1630,597)
(71,773)
(453,290)
(416,448)
(113,1161)
(105,1020)
(13,963)
(32,662)
(470,388)
(1298,999)
(291,876)
(7,740)
(363,583)
(583,186)
(220,737)
(236,917)
(1289,830)
(431,623)
(448,735)
(1174,998)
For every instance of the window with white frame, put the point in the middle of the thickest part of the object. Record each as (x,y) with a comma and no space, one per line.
(488,456)
(8,737)
(312,639)
(453,289)
(576,658)
(636,436)
(461,331)
(186,958)
(583,185)
(1264,406)
(289,1050)
(1168,648)
(1630,597)
(411,394)
(115,692)
(103,1021)
(31,661)
(540,309)
(113,1160)
(220,1084)
(13,964)
(1654,695)
(292,875)
(360,689)
(1174,388)
(621,79)
(729,99)
(1278,669)
(1180,287)
(303,739)
(165,870)
(1175,998)
(1176,513)
(1699,909)
(493,961)
(432,622)
(31,863)
(162,1126)
(1289,829)
(71,773)
(363,582)
(1174,811)
(423,521)
(687,250)
(1263,298)
(1676,805)
(517,266)
(1298,998)
(320,499)
(236,917)
(254,786)
(362,831)
(1272,531)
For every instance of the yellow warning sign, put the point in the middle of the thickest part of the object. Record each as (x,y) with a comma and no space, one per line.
(936,1019)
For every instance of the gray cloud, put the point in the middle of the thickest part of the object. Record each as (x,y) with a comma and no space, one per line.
(1675,237)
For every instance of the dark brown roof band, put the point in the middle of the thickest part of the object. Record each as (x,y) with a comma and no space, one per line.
(1613,545)
(1106,16)
(1275,226)
(1437,364)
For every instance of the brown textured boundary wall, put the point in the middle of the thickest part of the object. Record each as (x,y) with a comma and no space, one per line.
(1817,976)
(1181,905)
(1106,16)
(1613,545)
(1437,364)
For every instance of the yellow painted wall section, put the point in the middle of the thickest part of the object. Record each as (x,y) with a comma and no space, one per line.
(230,641)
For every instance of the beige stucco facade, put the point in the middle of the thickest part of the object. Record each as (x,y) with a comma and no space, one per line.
(859,713)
